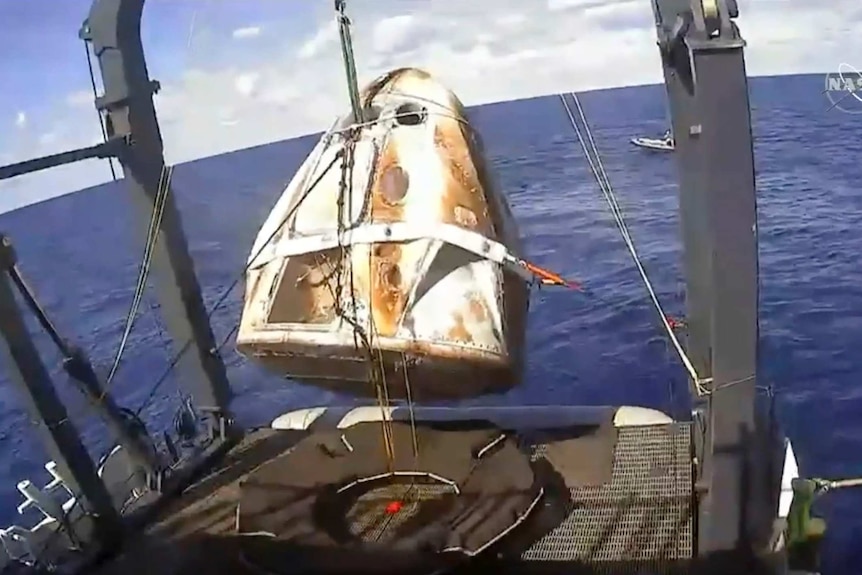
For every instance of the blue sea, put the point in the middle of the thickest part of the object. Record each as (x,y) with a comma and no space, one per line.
(81,255)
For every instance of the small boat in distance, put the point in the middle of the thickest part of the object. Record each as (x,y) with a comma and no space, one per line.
(665,144)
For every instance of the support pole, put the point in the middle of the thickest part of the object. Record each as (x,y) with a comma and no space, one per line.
(61,439)
(104,150)
(693,214)
(132,437)
(113,27)
(707,88)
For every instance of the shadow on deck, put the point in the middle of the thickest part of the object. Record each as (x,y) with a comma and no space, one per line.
(621,503)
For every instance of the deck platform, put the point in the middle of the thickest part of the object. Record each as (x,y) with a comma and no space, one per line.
(623,503)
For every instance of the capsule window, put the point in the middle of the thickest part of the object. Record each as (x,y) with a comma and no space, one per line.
(410,114)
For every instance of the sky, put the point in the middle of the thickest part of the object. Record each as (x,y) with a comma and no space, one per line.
(240,73)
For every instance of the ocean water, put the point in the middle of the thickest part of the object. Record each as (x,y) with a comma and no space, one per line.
(81,255)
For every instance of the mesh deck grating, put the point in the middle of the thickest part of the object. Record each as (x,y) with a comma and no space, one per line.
(643,516)
(369,520)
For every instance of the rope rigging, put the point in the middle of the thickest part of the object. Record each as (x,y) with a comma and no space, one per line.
(593,157)
(376,367)
(826,485)
(163,190)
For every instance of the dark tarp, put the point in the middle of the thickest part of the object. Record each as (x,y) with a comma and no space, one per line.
(584,457)
(295,519)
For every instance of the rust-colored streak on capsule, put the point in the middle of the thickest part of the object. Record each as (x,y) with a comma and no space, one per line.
(459,332)
(391,184)
(478,309)
(466,217)
(464,201)
(387,295)
(387,298)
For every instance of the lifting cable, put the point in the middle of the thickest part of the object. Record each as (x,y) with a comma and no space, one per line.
(376,365)
(597,167)
(163,190)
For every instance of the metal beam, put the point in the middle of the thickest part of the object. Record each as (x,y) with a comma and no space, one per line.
(104,150)
(61,439)
(131,436)
(707,90)
(692,204)
(113,27)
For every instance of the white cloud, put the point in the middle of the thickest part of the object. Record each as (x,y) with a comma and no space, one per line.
(21,119)
(510,20)
(486,50)
(390,34)
(246,32)
(325,37)
(246,83)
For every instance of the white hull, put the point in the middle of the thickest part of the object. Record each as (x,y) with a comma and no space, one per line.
(653,144)
(403,282)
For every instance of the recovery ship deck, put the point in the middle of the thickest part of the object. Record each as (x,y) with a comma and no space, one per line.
(622,502)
